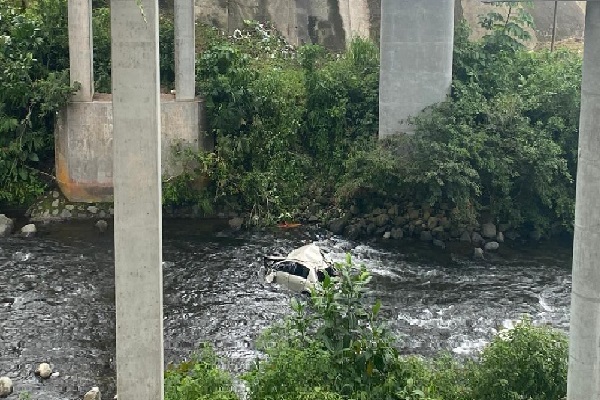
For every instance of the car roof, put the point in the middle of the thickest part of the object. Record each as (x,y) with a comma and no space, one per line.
(309,255)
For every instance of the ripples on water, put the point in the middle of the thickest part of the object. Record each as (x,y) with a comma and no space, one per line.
(57,298)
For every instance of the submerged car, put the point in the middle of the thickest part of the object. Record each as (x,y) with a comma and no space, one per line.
(300,270)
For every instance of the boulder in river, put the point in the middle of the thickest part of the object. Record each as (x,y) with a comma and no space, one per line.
(6,386)
(44,370)
(29,230)
(6,225)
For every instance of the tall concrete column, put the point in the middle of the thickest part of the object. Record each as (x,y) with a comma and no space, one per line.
(584,333)
(137,199)
(185,50)
(416,59)
(81,52)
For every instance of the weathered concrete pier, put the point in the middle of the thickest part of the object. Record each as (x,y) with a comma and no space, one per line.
(84,128)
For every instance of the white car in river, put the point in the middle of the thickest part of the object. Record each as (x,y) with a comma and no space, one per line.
(300,270)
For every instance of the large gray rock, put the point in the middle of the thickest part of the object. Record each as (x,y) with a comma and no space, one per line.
(337,226)
(29,230)
(478,253)
(6,386)
(488,231)
(6,225)
(476,238)
(382,219)
(397,233)
(439,243)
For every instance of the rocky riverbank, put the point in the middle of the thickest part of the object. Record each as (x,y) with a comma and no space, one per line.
(438,225)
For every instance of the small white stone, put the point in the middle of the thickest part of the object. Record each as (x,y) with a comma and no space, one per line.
(92,209)
(387,235)
(70,207)
(93,394)
(44,370)
(29,230)
(55,203)
(55,374)
(55,194)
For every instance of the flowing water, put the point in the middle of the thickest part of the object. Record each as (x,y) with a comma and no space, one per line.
(57,297)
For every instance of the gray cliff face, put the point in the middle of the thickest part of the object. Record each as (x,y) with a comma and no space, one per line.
(333,23)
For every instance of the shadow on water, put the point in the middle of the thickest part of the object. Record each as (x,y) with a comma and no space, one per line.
(57,296)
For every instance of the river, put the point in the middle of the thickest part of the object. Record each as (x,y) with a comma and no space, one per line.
(57,297)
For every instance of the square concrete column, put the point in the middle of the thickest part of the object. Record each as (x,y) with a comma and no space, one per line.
(416,59)
(185,50)
(137,199)
(81,53)
(584,333)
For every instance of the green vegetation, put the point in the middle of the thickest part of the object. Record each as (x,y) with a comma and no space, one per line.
(291,122)
(334,346)
(288,123)
(34,83)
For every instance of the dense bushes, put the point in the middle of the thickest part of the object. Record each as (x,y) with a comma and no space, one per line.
(33,85)
(288,121)
(334,346)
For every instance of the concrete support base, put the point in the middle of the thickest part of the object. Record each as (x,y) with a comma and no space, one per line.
(416,59)
(584,333)
(84,143)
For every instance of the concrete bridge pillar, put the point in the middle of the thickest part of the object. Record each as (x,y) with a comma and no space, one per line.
(185,50)
(81,52)
(137,199)
(416,59)
(584,333)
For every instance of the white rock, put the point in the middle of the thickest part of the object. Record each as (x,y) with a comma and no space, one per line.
(387,235)
(6,386)
(55,203)
(55,374)
(44,370)
(490,246)
(29,230)
(93,394)
(6,225)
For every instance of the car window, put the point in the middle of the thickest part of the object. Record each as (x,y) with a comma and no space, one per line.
(301,270)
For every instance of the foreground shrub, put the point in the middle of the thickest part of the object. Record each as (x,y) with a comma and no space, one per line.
(198,379)
(526,362)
